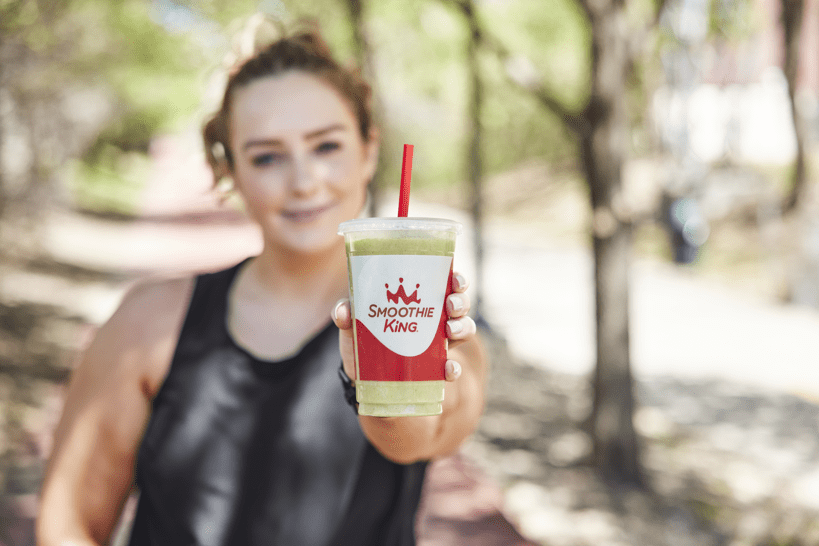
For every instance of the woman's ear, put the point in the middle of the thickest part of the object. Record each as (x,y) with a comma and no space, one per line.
(220,162)
(225,189)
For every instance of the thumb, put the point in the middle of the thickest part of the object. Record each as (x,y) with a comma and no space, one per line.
(342,314)
(342,317)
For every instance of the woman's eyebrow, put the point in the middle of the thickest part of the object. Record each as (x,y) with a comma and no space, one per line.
(267,142)
(331,128)
(309,136)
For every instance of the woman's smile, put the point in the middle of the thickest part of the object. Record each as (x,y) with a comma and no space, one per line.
(306,214)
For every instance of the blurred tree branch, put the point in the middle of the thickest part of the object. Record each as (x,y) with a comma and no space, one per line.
(530,82)
(364,56)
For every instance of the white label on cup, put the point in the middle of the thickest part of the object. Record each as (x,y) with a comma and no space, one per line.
(399,298)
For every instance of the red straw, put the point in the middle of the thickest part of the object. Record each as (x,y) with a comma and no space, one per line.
(406,177)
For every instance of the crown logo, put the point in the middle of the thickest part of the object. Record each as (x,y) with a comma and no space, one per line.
(401,293)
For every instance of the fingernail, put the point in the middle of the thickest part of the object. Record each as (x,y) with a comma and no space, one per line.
(455,326)
(461,280)
(453,369)
(456,302)
(335,309)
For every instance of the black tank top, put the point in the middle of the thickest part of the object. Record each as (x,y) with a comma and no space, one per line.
(245,452)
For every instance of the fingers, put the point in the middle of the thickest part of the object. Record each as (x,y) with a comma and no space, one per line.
(459,283)
(460,328)
(342,315)
(457,305)
(453,370)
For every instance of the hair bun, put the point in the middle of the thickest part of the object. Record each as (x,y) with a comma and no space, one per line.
(308,36)
(256,33)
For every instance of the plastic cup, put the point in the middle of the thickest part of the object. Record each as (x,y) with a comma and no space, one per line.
(400,272)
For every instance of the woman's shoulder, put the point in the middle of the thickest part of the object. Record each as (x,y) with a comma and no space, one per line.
(139,338)
(150,306)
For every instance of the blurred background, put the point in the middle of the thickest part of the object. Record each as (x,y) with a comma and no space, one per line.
(639,183)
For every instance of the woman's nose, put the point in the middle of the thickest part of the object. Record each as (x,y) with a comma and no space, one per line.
(304,178)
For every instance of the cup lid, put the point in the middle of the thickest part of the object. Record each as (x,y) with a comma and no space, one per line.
(396,224)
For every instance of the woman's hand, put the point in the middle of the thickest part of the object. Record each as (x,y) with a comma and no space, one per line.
(406,440)
(459,327)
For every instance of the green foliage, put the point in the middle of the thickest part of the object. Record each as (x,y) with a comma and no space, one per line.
(112,183)
(151,72)
(420,48)
(130,132)
(517,128)
(733,20)
(334,19)
(21,18)
(554,35)
(155,77)
(155,69)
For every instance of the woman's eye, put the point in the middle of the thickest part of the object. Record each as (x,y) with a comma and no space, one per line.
(266,159)
(327,147)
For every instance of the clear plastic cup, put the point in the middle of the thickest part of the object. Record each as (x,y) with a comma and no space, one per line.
(400,272)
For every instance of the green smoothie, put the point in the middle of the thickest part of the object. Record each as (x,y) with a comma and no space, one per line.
(401,245)
(404,397)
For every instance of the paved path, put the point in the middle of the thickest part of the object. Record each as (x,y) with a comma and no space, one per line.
(681,326)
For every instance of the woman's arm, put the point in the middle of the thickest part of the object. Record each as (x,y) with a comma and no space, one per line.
(409,439)
(91,468)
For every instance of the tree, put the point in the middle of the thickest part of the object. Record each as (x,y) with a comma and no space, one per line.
(603,152)
(792,15)
(601,128)
(364,56)
(474,156)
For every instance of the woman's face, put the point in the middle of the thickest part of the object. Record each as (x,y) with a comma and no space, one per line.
(300,162)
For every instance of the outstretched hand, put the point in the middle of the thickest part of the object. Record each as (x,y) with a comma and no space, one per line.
(459,326)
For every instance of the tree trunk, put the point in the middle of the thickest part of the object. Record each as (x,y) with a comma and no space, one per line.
(792,15)
(474,159)
(3,189)
(603,150)
(602,129)
(364,57)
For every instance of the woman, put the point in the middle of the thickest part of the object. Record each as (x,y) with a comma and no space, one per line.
(219,395)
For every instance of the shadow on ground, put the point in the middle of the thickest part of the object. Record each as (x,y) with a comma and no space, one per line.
(726,464)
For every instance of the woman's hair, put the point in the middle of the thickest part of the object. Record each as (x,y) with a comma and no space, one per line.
(304,51)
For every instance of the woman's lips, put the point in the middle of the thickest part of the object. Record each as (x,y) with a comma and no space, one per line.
(305,215)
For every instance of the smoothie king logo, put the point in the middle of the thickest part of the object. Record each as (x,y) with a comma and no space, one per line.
(401,293)
(401,318)
(399,299)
